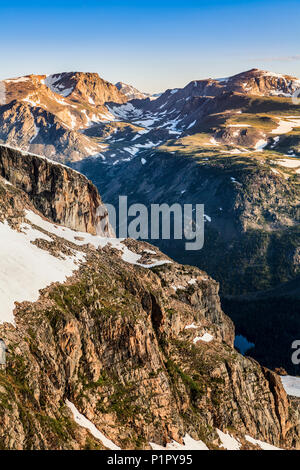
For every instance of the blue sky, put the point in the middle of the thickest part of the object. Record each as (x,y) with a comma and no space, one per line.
(152,45)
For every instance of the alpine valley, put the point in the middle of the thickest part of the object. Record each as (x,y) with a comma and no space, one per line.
(118,344)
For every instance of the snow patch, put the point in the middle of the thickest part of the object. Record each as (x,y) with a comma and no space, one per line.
(286,125)
(192,124)
(207,338)
(288,163)
(188,444)
(213,141)
(192,325)
(17,80)
(228,442)
(86,423)
(83,238)
(21,276)
(36,133)
(261,444)
(291,385)
(260,145)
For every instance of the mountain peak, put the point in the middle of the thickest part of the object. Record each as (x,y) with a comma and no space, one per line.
(131,92)
(84,85)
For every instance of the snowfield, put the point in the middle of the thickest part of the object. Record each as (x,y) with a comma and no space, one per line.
(291,385)
(261,444)
(288,163)
(25,268)
(286,125)
(228,442)
(83,238)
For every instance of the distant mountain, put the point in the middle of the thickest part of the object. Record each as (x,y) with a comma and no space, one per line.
(234,111)
(89,87)
(132,93)
(263,83)
(72,116)
(46,115)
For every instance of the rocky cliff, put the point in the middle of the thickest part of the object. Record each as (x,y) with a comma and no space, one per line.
(138,343)
(61,194)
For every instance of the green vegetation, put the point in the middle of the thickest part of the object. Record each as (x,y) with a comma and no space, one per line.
(195,389)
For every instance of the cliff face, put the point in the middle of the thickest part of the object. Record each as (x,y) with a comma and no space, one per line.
(60,194)
(52,133)
(137,342)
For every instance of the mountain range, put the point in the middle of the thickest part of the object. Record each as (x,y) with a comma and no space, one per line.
(71,116)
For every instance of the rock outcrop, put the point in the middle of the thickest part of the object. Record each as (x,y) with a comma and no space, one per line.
(59,193)
(260,82)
